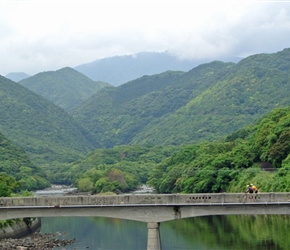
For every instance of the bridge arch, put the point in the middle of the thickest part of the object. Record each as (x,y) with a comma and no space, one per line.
(147,214)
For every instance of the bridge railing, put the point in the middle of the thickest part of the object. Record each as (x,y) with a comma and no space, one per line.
(144,199)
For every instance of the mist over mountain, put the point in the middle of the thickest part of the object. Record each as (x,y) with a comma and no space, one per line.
(121,69)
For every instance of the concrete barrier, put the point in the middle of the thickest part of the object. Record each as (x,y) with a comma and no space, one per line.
(144,199)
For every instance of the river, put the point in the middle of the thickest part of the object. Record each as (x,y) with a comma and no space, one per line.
(200,233)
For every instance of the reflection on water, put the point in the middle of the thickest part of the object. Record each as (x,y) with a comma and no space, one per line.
(260,232)
(99,233)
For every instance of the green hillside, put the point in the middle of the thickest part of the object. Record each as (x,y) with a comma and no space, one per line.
(238,99)
(66,87)
(204,104)
(42,129)
(16,170)
(107,116)
(258,154)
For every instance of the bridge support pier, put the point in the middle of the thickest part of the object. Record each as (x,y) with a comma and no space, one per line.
(153,240)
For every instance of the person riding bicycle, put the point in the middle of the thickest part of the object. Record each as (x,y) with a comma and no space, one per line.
(251,189)
(255,189)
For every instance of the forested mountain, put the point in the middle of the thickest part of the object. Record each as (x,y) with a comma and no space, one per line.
(117,115)
(205,103)
(45,131)
(15,166)
(66,87)
(121,69)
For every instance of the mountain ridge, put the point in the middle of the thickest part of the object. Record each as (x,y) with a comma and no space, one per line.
(208,102)
(118,70)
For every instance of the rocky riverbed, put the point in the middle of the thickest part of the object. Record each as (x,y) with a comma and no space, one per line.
(36,241)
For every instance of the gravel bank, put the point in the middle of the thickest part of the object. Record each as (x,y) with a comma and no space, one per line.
(35,241)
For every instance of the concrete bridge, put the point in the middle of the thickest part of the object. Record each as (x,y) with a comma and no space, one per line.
(150,208)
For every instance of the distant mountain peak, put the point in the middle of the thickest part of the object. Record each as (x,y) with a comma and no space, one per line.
(17,76)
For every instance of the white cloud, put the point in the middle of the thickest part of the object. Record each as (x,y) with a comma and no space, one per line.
(48,35)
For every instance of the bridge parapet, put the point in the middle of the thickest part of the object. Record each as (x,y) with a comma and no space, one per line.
(144,199)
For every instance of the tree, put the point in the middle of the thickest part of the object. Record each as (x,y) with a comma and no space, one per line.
(8,184)
(85,184)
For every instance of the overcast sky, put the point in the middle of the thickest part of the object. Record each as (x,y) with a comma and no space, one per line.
(40,35)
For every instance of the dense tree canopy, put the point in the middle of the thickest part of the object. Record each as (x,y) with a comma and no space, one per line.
(120,169)
(258,154)
(17,172)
